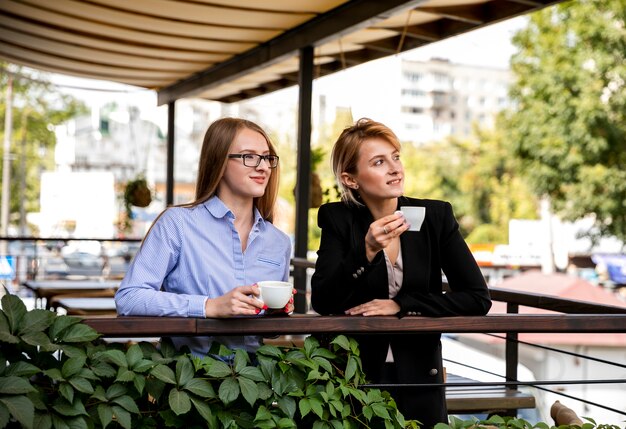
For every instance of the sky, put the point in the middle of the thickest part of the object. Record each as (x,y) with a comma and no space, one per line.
(489,46)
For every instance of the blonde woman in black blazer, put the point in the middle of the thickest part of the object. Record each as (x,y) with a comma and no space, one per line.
(369,264)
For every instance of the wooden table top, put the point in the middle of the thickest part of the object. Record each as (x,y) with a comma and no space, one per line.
(51,289)
(87,306)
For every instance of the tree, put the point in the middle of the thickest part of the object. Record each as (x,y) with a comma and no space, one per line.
(37,108)
(478,176)
(569,125)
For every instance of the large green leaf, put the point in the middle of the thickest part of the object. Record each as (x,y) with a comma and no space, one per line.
(103,369)
(229,390)
(4,415)
(143,365)
(65,408)
(351,368)
(133,355)
(269,350)
(36,321)
(380,410)
(72,366)
(241,359)
(42,421)
(139,382)
(200,387)
(59,423)
(99,394)
(105,414)
(67,391)
(15,385)
(248,389)
(81,384)
(54,374)
(164,373)
(77,423)
(36,339)
(324,363)
(287,405)
(115,390)
(21,368)
(61,323)
(79,333)
(124,375)
(304,406)
(219,369)
(20,407)
(205,411)
(15,310)
(116,357)
(184,371)
(252,372)
(179,401)
(5,331)
(123,416)
(342,341)
(317,407)
(128,403)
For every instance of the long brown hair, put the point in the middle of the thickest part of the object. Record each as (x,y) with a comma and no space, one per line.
(214,157)
(345,154)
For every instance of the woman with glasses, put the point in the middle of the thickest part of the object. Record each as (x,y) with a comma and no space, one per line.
(370,264)
(203,259)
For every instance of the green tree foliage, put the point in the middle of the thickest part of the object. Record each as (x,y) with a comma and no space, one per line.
(569,125)
(478,176)
(37,108)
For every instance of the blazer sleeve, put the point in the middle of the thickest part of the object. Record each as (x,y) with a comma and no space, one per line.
(468,295)
(341,270)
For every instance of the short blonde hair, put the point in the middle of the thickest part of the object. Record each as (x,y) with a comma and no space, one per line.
(346,150)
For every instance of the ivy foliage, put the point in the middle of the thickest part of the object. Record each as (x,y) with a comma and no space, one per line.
(57,373)
(497,422)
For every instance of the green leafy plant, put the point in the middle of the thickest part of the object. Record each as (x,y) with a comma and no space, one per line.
(136,193)
(497,422)
(57,373)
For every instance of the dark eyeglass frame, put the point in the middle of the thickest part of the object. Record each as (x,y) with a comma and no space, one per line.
(249,159)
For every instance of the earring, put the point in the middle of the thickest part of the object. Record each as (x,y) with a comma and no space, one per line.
(356,186)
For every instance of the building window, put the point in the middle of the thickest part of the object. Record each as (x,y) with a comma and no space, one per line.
(411,109)
(413,77)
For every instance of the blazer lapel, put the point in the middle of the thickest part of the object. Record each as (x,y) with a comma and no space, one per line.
(416,257)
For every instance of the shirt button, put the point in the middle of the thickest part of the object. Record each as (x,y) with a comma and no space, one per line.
(433,371)
(355,275)
(362,269)
(419,313)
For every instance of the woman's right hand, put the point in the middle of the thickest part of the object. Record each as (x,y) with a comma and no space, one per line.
(382,232)
(241,301)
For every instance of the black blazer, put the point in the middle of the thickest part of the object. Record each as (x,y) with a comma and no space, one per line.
(344,278)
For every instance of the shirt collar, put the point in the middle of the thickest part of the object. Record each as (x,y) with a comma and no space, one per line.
(218,209)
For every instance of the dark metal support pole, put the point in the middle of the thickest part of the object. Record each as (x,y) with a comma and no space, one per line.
(171,136)
(511,352)
(303,189)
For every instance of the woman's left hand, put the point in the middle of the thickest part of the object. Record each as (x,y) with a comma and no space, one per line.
(376,307)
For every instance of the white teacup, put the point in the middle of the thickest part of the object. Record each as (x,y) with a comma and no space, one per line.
(414,216)
(275,294)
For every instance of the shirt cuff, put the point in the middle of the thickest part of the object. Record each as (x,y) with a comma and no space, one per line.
(196,306)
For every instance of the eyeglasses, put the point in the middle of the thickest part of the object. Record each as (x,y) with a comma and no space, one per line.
(253,160)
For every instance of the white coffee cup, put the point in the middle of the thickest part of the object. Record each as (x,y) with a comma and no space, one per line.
(414,216)
(275,294)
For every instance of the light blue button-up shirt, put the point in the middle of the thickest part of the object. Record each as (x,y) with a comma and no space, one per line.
(194,254)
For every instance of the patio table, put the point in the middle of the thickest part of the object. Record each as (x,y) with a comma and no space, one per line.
(50,290)
(87,306)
